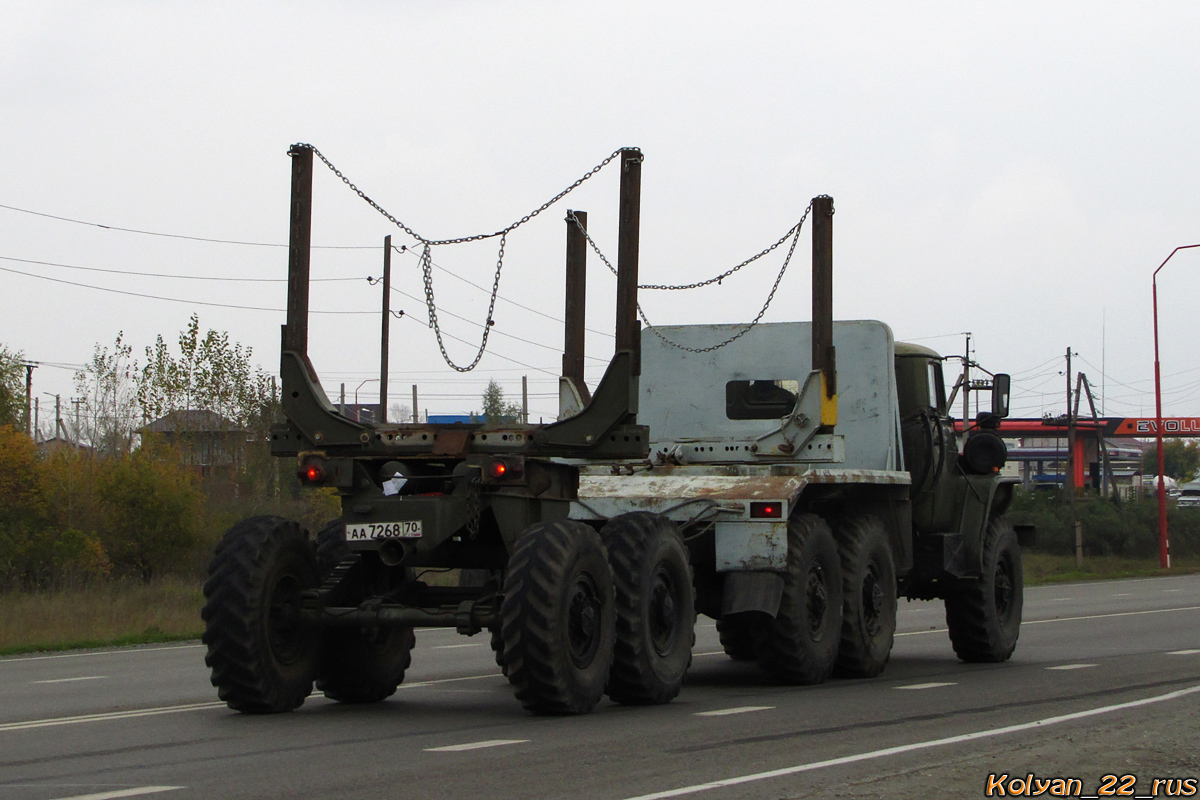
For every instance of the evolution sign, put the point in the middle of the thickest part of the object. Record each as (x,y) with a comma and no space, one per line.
(1148,426)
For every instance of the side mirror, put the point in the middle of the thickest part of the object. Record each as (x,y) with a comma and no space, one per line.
(1000,387)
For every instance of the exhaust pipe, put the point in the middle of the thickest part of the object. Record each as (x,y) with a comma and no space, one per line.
(392,552)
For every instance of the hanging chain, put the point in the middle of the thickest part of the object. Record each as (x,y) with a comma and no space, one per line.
(794,230)
(461,239)
(793,234)
(427,257)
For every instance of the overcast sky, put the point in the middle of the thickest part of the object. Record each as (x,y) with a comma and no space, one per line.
(1016,170)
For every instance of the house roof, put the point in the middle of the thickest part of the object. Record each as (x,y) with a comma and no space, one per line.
(191,421)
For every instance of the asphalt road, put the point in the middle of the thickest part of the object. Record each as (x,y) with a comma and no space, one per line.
(1105,680)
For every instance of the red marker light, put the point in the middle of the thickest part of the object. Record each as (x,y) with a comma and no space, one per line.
(766,510)
(312,471)
(497,469)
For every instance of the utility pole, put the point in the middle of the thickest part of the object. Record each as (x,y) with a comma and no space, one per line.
(1069,478)
(387,315)
(37,423)
(525,398)
(966,390)
(29,368)
(416,416)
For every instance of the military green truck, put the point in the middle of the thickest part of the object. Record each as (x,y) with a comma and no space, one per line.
(814,474)
(759,494)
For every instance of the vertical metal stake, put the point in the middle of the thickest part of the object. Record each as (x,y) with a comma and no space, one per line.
(628,234)
(387,314)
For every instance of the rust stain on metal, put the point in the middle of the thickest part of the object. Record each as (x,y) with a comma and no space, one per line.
(653,489)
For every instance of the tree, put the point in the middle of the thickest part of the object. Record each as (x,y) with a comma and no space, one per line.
(108,405)
(494,407)
(210,374)
(1181,459)
(12,388)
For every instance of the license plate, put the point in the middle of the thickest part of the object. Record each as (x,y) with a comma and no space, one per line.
(406,529)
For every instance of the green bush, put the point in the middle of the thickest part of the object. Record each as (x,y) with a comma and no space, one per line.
(1128,529)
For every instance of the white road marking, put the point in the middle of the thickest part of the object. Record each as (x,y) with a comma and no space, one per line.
(141,712)
(1072,666)
(453,646)
(1172,590)
(1060,599)
(1183,652)
(419,684)
(1123,594)
(908,748)
(1072,619)
(127,651)
(712,653)
(458,748)
(139,791)
(724,712)
(925,685)
(69,680)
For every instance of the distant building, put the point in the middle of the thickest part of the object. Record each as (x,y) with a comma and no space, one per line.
(208,442)
(60,445)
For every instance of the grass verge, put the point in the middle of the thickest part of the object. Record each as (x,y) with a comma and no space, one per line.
(1041,568)
(100,616)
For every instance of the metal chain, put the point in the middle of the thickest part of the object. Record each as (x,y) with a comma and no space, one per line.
(794,233)
(462,239)
(474,509)
(427,258)
(732,270)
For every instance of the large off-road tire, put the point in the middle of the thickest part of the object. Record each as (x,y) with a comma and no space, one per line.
(656,612)
(263,658)
(737,631)
(984,616)
(868,598)
(800,645)
(558,618)
(358,665)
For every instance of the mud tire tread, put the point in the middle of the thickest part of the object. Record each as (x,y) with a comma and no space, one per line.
(638,543)
(245,670)
(541,569)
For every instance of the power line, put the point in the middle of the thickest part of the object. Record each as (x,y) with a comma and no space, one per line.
(166,275)
(168,299)
(178,235)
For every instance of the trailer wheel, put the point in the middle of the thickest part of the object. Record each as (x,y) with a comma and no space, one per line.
(656,611)
(558,618)
(984,616)
(358,665)
(263,658)
(868,598)
(800,645)
(736,632)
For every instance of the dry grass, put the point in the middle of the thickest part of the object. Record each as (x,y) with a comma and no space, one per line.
(117,614)
(1041,568)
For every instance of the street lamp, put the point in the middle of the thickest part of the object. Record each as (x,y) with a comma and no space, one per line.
(1164,549)
(357,409)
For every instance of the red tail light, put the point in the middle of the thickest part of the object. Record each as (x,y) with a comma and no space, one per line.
(766,510)
(499,469)
(312,471)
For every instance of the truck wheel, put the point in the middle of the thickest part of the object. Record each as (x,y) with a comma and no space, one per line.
(358,665)
(800,645)
(656,612)
(263,658)
(868,598)
(984,616)
(558,618)
(736,632)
